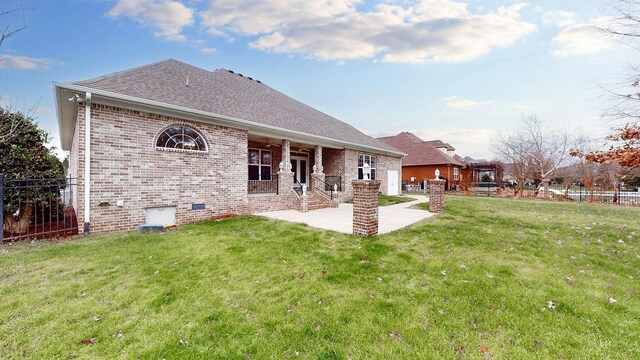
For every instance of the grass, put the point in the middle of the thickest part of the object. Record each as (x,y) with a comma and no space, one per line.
(474,281)
(386,200)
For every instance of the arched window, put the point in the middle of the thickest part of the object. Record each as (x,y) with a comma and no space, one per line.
(181,137)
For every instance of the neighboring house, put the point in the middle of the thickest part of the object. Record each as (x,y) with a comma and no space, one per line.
(480,170)
(424,158)
(170,142)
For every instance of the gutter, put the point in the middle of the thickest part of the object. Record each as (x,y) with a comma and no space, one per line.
(87,163)
(229,120)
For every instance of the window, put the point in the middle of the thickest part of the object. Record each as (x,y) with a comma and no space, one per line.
(456,173)
(259,164)
(181,137)
(366,159)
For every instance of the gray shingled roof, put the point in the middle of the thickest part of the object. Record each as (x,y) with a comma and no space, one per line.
(226,93)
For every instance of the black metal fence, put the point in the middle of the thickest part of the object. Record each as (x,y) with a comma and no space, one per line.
(269,186)
(615,195)
(37,208)
(593,194)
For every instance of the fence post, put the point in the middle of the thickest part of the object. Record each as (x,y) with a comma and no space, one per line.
(580,200)
(1,209)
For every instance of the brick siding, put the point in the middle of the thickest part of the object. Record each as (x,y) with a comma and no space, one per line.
(126,165)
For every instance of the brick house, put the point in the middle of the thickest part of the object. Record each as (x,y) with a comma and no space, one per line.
(170,142)
(424,158)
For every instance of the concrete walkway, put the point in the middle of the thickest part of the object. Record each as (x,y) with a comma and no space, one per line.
(340,219)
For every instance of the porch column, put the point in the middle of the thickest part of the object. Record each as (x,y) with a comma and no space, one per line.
(318,170)
(285,175)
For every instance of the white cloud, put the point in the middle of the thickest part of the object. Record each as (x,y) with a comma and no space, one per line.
(474,142)
(582,39)
(25,63)
(167,17)
(559,18)
(456,102)
(427,31)
(207,50)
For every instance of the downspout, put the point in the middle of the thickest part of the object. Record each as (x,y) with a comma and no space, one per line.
(87,163)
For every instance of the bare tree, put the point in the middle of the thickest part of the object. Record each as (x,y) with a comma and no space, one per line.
(8,129)
(535,151)
(9,29)
(512,149)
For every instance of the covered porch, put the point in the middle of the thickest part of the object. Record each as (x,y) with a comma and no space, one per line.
(282,173)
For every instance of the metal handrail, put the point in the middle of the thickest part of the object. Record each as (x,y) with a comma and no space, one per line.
(331,180)
(322,185)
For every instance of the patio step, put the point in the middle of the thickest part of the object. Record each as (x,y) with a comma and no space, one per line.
(318,202)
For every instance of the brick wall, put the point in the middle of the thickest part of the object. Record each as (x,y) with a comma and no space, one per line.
(271,202)
(384,164)
(422,172)
(125,165)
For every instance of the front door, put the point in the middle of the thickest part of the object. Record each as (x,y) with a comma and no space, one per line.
(300,168)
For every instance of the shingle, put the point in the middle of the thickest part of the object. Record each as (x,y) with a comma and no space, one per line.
(419,153)
(226,93)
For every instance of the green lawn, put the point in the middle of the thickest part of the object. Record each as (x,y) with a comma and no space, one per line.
(494,278)
(386,200)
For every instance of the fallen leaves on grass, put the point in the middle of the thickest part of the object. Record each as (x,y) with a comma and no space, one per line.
(460,350)
(395,335)
(88,341)
(570,280)
(551,304)
(611,300)
(363,261)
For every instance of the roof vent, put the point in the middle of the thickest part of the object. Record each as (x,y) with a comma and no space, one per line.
(240,74)
(231,71)
(259,82)
(248,77)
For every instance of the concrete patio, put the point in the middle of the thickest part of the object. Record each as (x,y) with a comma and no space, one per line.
(340,219)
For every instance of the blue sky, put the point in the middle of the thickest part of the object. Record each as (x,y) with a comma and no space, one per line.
(454,70)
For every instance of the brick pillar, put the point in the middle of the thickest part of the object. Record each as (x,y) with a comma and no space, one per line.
(436,196)
(365,207)
(285,182)
(286,155)
(285,175)
(318,170)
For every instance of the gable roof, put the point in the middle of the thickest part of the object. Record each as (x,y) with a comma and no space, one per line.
(439,144)
(418,153)
(225,93)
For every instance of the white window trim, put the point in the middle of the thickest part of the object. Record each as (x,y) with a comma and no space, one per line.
(260,165)
(183,125)
(456,173)
(372,167)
